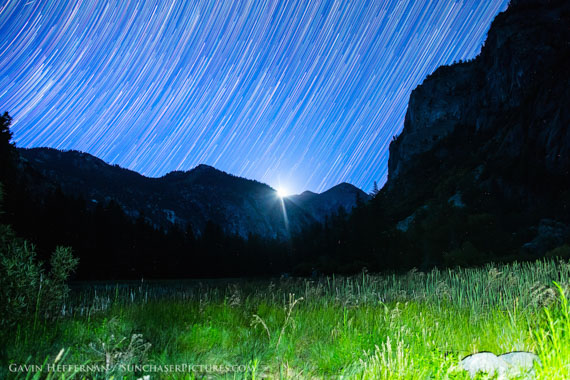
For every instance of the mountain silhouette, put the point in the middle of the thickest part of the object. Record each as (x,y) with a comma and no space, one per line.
(204,194)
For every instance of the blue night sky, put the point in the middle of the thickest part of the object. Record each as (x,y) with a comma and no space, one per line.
(297,94)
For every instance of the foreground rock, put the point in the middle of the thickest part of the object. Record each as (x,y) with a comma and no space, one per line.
(518,364)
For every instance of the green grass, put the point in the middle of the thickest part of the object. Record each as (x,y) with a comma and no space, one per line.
(410,326)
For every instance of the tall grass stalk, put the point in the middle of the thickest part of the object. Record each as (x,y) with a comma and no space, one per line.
(368,326)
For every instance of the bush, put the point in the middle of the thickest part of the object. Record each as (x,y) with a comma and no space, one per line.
(27,290)
(464,256)
(562,252)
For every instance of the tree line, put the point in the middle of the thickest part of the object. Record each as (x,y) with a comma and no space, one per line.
(111,244)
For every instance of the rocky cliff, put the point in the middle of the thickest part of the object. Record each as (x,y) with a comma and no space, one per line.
(491,136)
(517,90)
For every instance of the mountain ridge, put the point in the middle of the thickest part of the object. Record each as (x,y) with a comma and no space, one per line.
(204,193)
(322,205)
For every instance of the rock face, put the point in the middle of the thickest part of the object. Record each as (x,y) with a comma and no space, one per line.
(517,91)
(203,194)
(491,137)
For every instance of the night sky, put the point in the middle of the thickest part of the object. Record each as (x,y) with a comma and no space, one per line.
(296,94)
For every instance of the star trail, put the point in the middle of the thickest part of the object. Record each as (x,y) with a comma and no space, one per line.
(297,94)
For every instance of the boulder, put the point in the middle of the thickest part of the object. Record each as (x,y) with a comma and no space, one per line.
(484,362)
(518,364)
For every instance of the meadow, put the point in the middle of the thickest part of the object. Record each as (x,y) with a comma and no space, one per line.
(412,325)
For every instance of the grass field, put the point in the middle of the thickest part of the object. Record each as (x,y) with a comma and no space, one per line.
(409,326)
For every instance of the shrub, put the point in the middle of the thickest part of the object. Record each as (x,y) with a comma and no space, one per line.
(466,255)
(117,347)
(27,289)
(562,252)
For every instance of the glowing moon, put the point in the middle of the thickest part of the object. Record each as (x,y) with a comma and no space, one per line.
(282,193)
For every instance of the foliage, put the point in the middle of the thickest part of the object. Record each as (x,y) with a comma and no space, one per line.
(367,326)
(27,289)
(553,340)
(117,348)
(7,148)
(562,252)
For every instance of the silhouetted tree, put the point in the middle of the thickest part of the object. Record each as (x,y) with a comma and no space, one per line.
(7,147)
(375,189)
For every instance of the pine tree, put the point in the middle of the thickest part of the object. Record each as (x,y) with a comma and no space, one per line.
(375,189)
(7,148)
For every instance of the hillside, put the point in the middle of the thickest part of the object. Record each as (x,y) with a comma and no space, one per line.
(240,206)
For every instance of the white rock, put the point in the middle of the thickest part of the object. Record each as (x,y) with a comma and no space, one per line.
(521,362)
(484,362)
(517,363)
